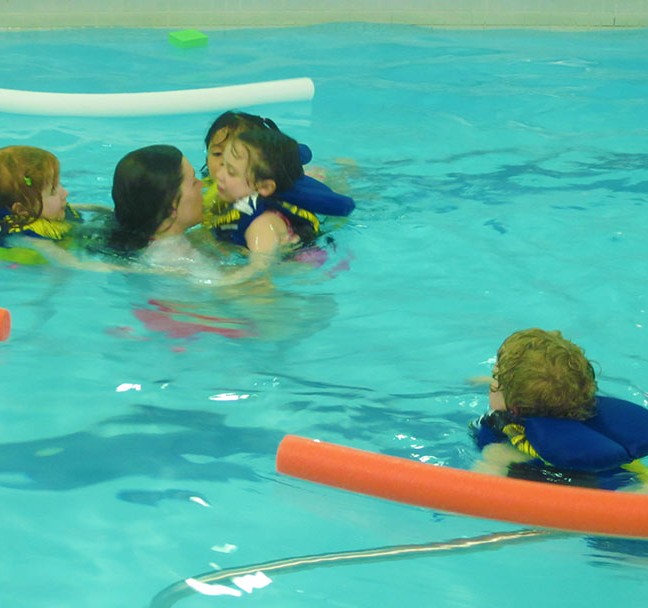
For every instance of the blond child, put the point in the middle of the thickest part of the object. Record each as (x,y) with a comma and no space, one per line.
(543,404)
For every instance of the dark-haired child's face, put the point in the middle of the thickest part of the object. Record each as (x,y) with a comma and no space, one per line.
(232,177)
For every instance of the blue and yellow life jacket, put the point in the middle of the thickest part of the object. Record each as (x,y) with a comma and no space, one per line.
(54,230)
(614,439)
(231,224)
(300,204)
(312,195)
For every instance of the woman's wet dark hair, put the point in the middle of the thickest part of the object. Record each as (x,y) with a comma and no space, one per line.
(146,186)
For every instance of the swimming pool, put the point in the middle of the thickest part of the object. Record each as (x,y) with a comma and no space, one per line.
(501,183)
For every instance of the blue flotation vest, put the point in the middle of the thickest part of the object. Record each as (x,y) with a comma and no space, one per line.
(316,197)
(614,438)
(306,199)
(300,204)
(54,230)
(231,225)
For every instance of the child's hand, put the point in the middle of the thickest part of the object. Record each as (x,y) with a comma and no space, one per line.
(496,459)
(479,380)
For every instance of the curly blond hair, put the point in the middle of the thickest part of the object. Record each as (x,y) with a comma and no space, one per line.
(540,373)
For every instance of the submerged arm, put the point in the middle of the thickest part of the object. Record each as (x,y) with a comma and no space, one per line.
(61,256)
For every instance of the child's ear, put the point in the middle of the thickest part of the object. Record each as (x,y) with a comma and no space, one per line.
(19,210)
(266,187)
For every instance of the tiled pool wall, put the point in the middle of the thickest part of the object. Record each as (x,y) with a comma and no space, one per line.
(245,13)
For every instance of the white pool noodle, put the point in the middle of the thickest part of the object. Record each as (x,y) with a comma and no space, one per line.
(190,101)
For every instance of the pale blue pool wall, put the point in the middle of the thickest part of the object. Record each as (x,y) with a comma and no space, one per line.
(246,13)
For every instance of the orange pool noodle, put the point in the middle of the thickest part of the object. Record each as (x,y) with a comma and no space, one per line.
(530,503)
(5,324)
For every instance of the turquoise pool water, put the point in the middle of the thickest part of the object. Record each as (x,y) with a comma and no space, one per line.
(501,181)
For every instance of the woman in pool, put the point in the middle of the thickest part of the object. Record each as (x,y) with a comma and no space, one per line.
(157,200)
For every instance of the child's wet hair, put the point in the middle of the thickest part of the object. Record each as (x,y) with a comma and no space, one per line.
(273,155)
(235,122)
(25,172)
(541,373)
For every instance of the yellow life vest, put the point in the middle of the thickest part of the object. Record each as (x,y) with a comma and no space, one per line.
(54,230)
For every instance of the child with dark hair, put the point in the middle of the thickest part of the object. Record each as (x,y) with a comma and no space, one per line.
(257,165)
(298,198)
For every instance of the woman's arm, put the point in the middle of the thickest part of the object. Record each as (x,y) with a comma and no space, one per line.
(57,254)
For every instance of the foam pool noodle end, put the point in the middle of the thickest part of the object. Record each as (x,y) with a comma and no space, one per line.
(188,39)
(5,324)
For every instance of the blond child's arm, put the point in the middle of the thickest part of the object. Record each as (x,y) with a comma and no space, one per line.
(497,457)
(479,380)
